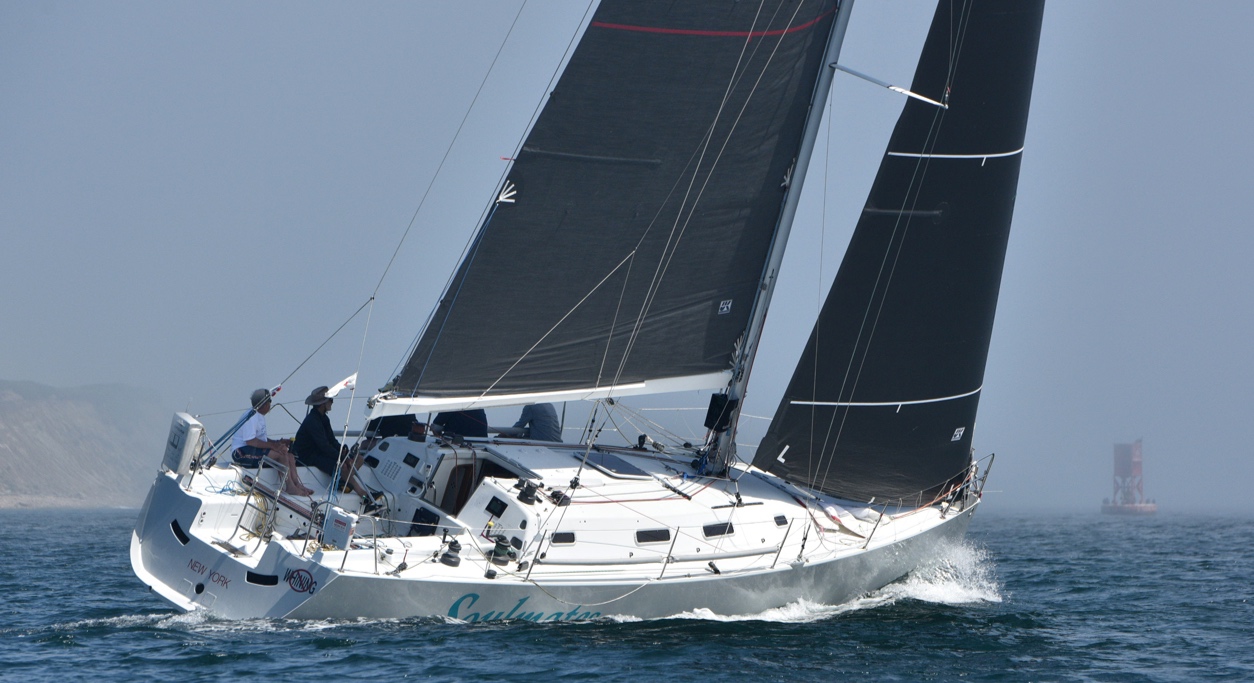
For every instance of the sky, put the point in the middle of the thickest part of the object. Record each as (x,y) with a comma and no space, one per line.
(195,196)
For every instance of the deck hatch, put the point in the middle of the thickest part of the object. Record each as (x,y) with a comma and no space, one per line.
(613,465)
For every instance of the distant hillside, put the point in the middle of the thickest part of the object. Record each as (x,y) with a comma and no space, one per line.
(93,446)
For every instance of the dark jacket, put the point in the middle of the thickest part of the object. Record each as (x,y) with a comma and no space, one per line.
(315,444)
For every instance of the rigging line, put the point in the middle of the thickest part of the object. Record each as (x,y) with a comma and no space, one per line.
(449,149)
(920,173)
(569,313)
(471,242)
(902,225)
(328,339)
(929,141)
(586,604)
(357,371)
(656,426)
(817,463)
(618,307)
(643,236)
(522,140)
(698,154)
(671,239)
(743,356)
(628,413)
(708,175)
(609,415)
(691,210)
(557,70)
(289,413)
(818,305)
(413,347)
(474,251)
(665,265)
(672,243)
(491,207)
(640,242)
(955,54)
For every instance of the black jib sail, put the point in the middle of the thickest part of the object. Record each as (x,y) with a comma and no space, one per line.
(882,404)
(630,236)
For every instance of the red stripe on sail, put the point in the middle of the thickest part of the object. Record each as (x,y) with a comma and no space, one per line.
(716,34)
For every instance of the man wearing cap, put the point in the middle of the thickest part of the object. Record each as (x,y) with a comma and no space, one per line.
(316,445)
(250,444)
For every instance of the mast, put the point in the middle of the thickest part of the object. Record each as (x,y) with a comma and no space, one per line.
(725,441)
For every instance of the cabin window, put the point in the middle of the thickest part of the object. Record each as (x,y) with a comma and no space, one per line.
(720,529)
(261,579)
(410,459)
(781,520)
(178,532)
(563,537)
(653,536)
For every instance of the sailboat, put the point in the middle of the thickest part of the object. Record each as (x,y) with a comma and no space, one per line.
(633,249)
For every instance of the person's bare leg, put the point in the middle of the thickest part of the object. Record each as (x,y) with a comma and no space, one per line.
(294,485)
(355,484)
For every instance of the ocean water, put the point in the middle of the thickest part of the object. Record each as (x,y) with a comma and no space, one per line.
(1025,598)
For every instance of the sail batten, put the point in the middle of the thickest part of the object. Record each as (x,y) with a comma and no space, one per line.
(913,402)
(936,155)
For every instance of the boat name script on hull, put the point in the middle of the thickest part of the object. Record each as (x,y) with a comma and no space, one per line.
(468,600)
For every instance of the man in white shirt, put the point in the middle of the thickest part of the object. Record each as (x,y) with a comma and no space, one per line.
(250,443)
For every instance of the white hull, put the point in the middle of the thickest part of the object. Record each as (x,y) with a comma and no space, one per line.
(187,547)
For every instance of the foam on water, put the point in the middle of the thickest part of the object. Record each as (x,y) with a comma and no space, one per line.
(799,612)
(961,574)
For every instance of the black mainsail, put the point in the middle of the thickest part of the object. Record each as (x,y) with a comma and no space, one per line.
(882,404)
(629,240)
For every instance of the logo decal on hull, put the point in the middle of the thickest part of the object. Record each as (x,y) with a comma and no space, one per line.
(300,580)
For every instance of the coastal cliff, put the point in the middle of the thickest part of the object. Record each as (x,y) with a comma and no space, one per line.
(91,446)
